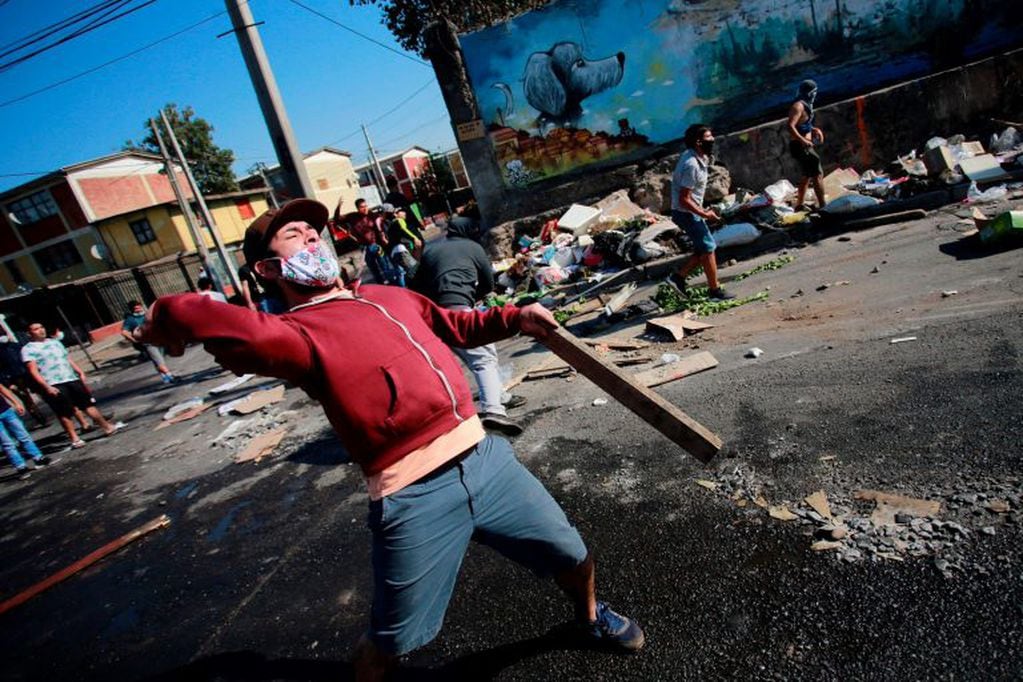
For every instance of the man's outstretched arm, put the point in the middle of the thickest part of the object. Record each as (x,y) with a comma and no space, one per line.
(240,339)
(471,328)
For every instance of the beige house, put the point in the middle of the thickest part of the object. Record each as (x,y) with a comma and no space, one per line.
(330,171)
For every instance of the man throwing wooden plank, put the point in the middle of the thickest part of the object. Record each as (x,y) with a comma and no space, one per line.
(377,360)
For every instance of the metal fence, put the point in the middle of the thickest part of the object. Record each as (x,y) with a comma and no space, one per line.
(99,300)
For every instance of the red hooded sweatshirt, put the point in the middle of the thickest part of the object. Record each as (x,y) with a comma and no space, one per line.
(378,362)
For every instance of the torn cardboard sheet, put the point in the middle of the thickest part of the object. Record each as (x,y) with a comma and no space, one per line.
(890,504)
(261,446)
(688,365)
(254,401)
(182,416)
(180,408)
(677,326)
(782,513)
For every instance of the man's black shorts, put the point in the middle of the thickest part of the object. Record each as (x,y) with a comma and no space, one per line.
(809,162)
(72,394)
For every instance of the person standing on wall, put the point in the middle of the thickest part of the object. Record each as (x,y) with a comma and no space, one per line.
(805,136)
(688,184)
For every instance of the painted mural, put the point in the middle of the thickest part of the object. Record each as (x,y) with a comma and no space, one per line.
(585,82)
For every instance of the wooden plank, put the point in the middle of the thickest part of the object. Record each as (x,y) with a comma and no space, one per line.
(691,364)
(676,325)
(675,424)
(161,521)
(617,344)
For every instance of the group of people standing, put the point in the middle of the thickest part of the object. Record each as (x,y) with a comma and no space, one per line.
(43,366)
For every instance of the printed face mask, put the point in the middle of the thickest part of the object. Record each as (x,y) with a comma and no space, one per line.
(314,266)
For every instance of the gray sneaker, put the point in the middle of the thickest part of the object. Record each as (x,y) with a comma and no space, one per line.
(500,423)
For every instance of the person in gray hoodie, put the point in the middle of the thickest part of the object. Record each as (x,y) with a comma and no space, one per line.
(455,273)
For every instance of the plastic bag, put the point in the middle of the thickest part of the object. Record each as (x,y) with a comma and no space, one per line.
(975,196)
(936,142)
(850,203)
(1006,142)
(778,191)
(736,234)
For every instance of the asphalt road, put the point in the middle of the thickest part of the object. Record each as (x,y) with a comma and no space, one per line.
(263,573)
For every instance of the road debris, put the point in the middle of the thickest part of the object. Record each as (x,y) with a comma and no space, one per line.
(254,401)
(903,339)
(754,353)
(676,326)
(597,402)
(949,292)
(673,371)
(181,416)
(703,483)
(231,385)
(782,513)
(261,446)
(180,408)
(161,521)
(818,501)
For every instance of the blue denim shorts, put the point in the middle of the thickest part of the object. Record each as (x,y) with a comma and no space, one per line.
(696,229)
(420,535)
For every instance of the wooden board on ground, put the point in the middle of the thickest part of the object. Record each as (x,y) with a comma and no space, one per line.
(676,325)
(618,344)
(689,365)
(261,446)
(257,400)
(652,408)
(161,521)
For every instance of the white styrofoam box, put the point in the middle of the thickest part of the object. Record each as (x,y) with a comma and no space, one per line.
(578,219)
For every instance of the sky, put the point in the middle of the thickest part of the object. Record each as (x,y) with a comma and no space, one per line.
(331,81)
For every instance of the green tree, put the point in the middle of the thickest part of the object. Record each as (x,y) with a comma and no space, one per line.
(407,19)
(436,178)
(211,165)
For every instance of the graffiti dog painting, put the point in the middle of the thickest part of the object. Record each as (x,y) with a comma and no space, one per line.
(584,84)
(557,81)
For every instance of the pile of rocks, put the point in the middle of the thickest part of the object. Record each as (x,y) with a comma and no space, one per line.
(870,525)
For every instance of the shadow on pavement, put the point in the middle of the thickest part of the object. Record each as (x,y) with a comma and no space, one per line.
(481,665)
(971,248)
(323,451)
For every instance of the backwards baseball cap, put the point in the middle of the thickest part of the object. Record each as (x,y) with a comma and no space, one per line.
(263,228)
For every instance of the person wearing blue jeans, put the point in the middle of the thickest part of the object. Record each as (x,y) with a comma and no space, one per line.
(13,433)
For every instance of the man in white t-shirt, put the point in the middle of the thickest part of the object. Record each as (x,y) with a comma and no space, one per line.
(61,382)
(205,285)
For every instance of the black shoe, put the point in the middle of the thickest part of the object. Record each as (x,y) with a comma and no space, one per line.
(500,423)
(42,461)
(515,401)
(720,294)
(23,474)
(678,281)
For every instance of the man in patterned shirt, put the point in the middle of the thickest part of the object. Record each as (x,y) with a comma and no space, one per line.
(61,382)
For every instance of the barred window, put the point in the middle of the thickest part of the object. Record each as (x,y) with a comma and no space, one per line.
(142,230)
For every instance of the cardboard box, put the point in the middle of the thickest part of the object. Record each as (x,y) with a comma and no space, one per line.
(983,168)
(939,160)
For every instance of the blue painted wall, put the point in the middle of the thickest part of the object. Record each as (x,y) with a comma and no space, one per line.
(725,62)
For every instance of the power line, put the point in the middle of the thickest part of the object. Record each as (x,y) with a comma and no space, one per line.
(414,130)
(134,52)
(46,31)
(96,24)
(384,115)
(361,35)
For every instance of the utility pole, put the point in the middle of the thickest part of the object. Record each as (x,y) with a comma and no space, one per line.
(288,155)
(229,269)
(376,164)
(813,16)
(186,208)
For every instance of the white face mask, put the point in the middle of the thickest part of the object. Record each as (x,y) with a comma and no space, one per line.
(314,266)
